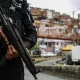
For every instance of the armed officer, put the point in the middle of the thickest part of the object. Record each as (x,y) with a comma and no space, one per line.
(18,10)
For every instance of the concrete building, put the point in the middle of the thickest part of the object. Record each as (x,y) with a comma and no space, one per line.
(36,12)
(56,31)
(56,14)
(47,13)
(53,45)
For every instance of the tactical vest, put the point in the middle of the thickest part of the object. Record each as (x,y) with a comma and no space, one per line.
(16,16)
(13,9)
(5,3)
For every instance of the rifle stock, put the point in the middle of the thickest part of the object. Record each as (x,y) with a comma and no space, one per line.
(18,42)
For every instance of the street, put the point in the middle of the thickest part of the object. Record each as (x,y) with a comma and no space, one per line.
(47,62)
(42,76)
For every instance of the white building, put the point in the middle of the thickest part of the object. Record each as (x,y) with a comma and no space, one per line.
(53,44)
(48,13)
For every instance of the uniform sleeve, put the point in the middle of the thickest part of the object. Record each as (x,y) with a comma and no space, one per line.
(30,34)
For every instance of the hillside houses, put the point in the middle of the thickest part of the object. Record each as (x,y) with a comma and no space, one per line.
(52,15)
(46,20)
(53,25)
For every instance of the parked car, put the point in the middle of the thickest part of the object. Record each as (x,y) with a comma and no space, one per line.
(43,54)
(36,52)
(48,54)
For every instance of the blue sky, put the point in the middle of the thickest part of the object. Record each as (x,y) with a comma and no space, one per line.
(62,6)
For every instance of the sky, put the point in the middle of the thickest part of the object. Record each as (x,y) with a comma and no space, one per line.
(62,6)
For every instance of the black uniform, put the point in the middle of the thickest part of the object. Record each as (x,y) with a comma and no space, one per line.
(13,69)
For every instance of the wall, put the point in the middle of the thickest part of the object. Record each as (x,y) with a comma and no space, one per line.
(70,71)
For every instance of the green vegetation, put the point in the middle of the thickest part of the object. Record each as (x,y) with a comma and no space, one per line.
(35,47)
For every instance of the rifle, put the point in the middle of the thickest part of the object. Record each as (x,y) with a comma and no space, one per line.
(18,42)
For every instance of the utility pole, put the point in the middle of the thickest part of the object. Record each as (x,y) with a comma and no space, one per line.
(79,27)
(74,29)
(73,15)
